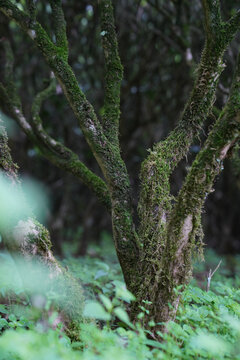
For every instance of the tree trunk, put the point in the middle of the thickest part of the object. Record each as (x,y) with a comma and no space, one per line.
(29,241)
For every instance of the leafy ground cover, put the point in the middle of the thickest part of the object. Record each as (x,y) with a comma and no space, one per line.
(207,325)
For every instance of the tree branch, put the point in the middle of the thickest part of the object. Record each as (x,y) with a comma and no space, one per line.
(185,218)
(62,156)
(231,27)
(113,72)
(212,17)
(31,5)
(59,24)
(55,58)
(155,198)
(53,150)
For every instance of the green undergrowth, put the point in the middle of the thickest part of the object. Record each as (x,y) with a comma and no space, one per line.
(207,325)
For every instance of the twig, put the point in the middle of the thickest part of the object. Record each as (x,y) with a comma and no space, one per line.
(210,275)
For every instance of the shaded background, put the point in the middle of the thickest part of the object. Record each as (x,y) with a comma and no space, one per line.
(160,44)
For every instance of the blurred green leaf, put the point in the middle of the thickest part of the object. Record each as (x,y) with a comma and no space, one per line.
(106,302)
(95,310)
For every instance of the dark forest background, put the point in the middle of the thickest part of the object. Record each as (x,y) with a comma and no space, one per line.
(160,44)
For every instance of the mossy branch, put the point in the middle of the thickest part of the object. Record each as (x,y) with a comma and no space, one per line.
(59,24)
(92,129)
(218,31)
(235,161)
(155,198)
(231,27)
(185,218)
(8,85)
(62,156)
(172,267)
(113,72)
(6,163)
(32,10)
(53,150)
(212,17)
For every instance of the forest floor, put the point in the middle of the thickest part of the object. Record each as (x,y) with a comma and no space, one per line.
(207,325)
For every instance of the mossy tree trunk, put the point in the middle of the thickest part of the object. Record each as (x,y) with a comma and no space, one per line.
(156,256)
(29,241)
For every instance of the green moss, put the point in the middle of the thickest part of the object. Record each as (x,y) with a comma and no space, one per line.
(113,72)
(42,241)
(60,28)
(38,246)
(6,163)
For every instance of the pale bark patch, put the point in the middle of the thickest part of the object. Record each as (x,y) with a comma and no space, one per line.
(186,230)
(224,151)
(164,218)
(22,119)
(51,260)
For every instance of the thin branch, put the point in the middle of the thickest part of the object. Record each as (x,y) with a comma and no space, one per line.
(232,26)
(174,39)
(9,85)
(59,24)
(210,275)
(212,17)
(62,156)
(113,72)
(31,5)
(235,160)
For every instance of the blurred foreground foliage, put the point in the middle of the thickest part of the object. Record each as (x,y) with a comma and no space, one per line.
(207,325)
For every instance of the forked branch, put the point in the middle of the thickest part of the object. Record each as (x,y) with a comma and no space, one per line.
(155,198)
(185,220)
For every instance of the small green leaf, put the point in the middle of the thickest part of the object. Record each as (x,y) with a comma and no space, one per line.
(3,323)
(154,343)
(3,309)
(99,274)
(106,302)
(103,265)
(123,316)
(122,292)
(12,317)
(95,310)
